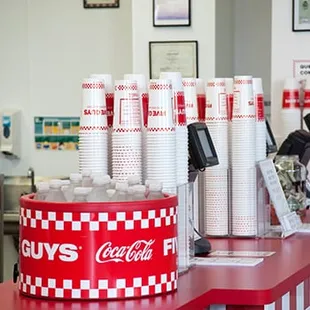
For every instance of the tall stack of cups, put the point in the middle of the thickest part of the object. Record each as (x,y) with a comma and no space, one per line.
(190,95)
(201,102)
(244,207)
(126,136)
(180,125)
(109,95)
(291,112)
(93,134)
(161,136)
(229,83)
(181,165)
(260,119)
(201,99)
(306,109)
(216,178)
(144,102)
(161,154)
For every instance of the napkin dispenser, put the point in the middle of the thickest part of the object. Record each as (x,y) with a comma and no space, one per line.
(10,142)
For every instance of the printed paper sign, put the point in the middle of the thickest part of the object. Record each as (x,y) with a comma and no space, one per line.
(301,68)
(241,253)
(56,133)
(227,261)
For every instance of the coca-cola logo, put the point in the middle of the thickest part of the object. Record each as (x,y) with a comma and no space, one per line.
(140,250)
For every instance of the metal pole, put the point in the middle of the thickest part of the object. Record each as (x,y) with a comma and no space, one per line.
(1,228)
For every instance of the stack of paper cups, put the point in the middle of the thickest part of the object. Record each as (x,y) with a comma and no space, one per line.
(161,136)
(109,95)
(306,109)
(229,83)
(216,178)
(144,103)
(126,136)
(291,112)
(201,99)
(93,134)
(180,125)
(200,207)
(190,95)
(244,207)
(260,119)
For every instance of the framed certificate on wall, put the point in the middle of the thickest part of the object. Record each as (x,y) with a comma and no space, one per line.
(98,4)
(173,56)
(171,13)
(301,15)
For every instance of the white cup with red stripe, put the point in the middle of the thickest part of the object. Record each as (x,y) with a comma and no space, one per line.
(190,96)
(243,107)
(127,112)
(201,99)
(216,108)
(260,119)
(229,83)
(143,94)
(109,94)
(160,118)
(94,113)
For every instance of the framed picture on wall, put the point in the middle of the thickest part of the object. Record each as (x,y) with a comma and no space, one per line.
(97,4)
(173,56)
(301,15)
(171,13)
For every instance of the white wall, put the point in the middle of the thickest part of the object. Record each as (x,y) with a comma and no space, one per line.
(14,83)
(202,30)
(252,39)
(286,46)
(47,48)
(224,40)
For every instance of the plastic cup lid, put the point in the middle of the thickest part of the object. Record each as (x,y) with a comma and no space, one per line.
(86,173)
(121,186)
(155,187)
(139,78)
(139,188)
(133,179)
(101,180)
(148,182)
(76,177)
(82,190)
(42,186)
(110,192)
(65,188)
(55,183)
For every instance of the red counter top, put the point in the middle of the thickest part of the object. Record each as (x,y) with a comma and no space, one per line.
(203,286)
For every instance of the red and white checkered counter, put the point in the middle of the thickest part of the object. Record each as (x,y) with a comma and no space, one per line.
(280,282)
